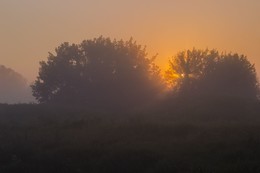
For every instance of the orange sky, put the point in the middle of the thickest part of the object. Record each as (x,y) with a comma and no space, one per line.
(32,28)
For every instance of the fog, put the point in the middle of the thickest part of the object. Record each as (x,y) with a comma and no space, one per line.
(13,87)
(164,26)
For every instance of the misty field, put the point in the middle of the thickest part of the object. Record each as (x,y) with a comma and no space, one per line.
(129,86)
(220,135)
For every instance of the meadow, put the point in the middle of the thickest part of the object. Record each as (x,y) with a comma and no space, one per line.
(181,135)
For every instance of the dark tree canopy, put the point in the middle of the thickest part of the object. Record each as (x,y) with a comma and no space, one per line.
(231,75)
(98,72)
(209,73)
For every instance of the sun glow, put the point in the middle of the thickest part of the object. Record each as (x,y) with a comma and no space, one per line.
(171,78)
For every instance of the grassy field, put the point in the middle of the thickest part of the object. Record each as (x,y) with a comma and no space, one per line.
(220,135)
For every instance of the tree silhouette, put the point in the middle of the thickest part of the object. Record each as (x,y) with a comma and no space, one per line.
(13,87)
(230,75)
(208,73)
(187,67)
(98,72)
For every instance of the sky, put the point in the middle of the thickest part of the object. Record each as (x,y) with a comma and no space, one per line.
(30,29)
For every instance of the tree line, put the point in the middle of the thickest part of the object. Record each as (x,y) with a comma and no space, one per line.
(105,73)
(210,73)
(13,87)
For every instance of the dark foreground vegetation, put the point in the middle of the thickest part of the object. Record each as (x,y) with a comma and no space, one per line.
(188,135)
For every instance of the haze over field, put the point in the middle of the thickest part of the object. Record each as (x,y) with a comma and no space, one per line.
(30,29)
(156,86)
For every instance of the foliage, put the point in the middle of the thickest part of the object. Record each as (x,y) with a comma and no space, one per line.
(98,72)
(207,72)
(187,67)
(13,87)
(231,75)
(221,136)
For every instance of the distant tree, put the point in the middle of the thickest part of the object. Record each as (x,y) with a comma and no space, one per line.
(230,75)
(188,67)
(13,87)
(206,72)
(98,72)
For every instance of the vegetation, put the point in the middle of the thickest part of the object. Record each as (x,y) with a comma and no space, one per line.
(13,87)
(208,73)
(187,136)
(99,73)
(100,112)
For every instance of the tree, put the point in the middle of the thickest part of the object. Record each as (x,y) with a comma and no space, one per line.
(187,68)
(208,73)
(13,87)
(231,75)
(98,72)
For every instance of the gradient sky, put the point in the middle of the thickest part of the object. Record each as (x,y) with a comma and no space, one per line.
(30,29)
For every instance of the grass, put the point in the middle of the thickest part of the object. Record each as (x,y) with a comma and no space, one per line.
(184,136)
